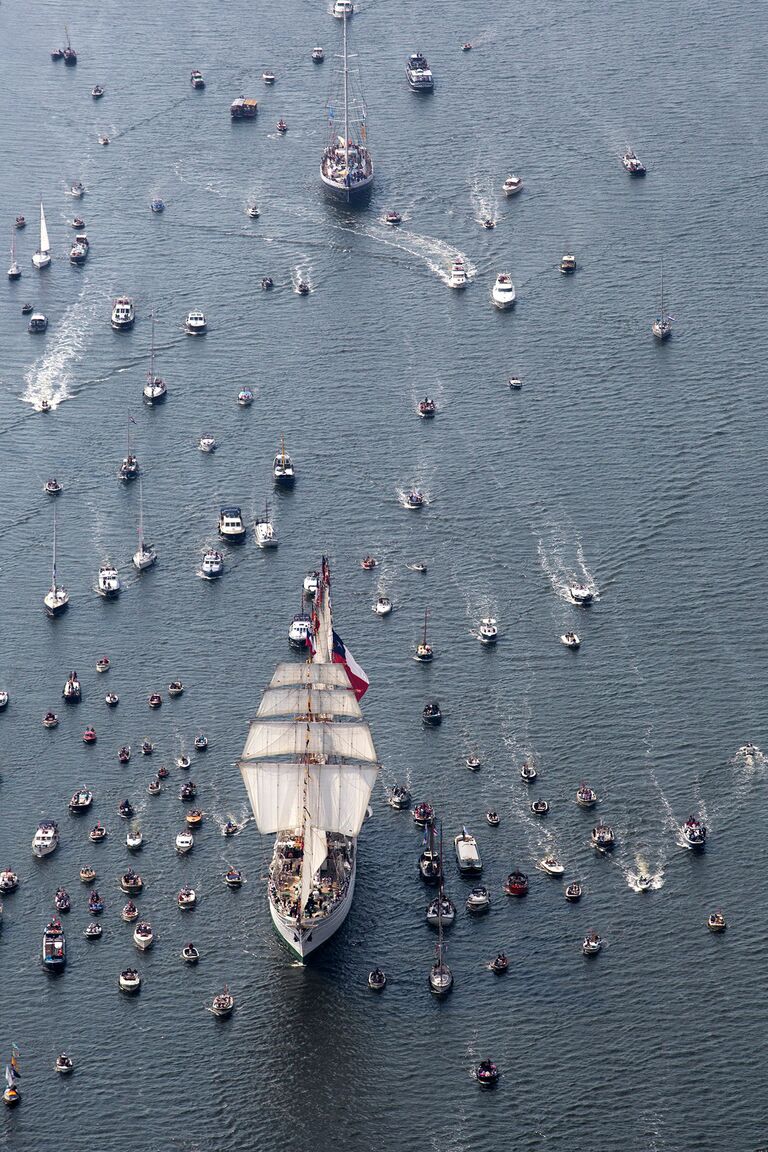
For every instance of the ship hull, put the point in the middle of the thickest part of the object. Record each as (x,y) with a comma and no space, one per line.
(302,942)
(357,193)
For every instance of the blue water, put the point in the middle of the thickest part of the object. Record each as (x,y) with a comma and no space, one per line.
(634,466)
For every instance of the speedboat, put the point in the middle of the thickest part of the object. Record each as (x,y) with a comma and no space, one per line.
(46,838)
(155,700)
(38,322)
(441,908)
(131,883)
(9,881)
(488,633)
(108,584)
(77,189)
(694,833)
(196,79)
(568,264)
(383,606)
(124,753)
(123,314)
(528,773)
(154,787)
(97,92)
(183,761)
(201,742)
(499,964)
(190,954)
(143,935)
(643,882)
(231,526)
(282,127)
(591,944)
(103,664)
(540,807)
(129,980)
(473,763)
(419,73)
(104,140)
(414,498)
(570,640)
(207,444)
(89,736)
(393,218)
(212,565)
(245,397)
(318,55)
(157,205)
(515,383)
(233,878)
(631,164)
(81,800)
(185,842)
(97,833)
(467,855)
(78,222)
(457,278)
(431,715)
(512,185)
(187,898)
(87,874)
(417,567)
(551,865)
(573,892)
(130,912)
(478,900)
(368,563)
(268,77)
(427,408)
(492,817)
(488,223)
(50,720)
(129,468)
(20,222)
(466,47)
(54,945)
(302,288)
(503,292)
(423,814)
(299,630)
(93,930)
(343,9)
(586,797)
(134,839)
(580,594)
(603,838)
(175,688)
(716,922)
(196,323)
(516,884)
(398,797)
(311,584)
(486,1072)
(223,1004)
(125,809)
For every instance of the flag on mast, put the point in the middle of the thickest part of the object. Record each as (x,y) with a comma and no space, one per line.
(357,677)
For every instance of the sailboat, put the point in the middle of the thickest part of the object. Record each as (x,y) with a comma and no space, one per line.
(346,169)
(69,54)
(14,272)
(12,1095)
(42,257)
(154,390)
(145,555)
(440,975)
(282,467)
(662,325)
(56,598)
(424,651)
(129,468)
(309,764)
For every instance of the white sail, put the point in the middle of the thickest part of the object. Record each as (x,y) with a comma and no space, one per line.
(275,791)
(299,701)
(315,675)
(269,738)
(337,796)
(45,245)
(315,853)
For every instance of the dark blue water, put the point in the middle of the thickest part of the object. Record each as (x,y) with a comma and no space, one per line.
(635,466)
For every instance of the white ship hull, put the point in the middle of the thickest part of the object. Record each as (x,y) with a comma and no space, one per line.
(305,940)
(45,848)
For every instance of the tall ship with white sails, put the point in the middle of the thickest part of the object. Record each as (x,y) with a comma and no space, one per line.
(346,169)
(309,764)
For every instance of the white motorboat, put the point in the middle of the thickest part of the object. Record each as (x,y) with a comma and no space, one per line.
(570,640)
(196,79)
(488,632)
(212,565)
(515,384)
(632,164)
(467,855)
(318,55)
(129,980)
(78,253)
(144,556)
(56,598)
(503,292)
(72,690)
(443,908)
(399,797)
(231,526)
(311,584)
(108,584)
(457,278)
(419,73)
(42,258)
(38,322)
(568,264)
(300,630)
(134,839)
(184,842)
(4,699)
(77,189)
(265,531)
(253,211)
(383,606)
(196,323)
(473,763)
(580,594)
(123,314)
(551,865)
(343,8)
(268,77)
(207,444)
(143,935)
(282,467)
(245,397)
(46,838)
(643,882)
(528,773)
(694,833)
(512,185)
(591,944)
(479,900)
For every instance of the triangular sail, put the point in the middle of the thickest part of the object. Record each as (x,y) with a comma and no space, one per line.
(44,242)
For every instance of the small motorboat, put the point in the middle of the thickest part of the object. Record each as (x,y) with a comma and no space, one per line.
(89,736)
(414,498)
(467,47)
(427,408)
(516,884)
(377,980)
(398,797)
(97,92)
(196,323)
(111,699)
(125,810)
(81,800)
(230,828)
(26,309)
(512,185)
(431,714)
(185,842)
(154,700)
(591,944)
(441,908)
(77,189)
(20,222)
(266,283)
(196,79)
(130,912)
(580,594)
(368,563)
(64,1064)
(245,397)
(154,787)
(134,839)
(570,640)
(190,954)
(50,720)
(223,1004)
(129,980)
(175,688)
(87,874)
(233,878)
(61,901)
(492,818)
(183,761)
(92,931)
(643,882)
(488,223)
(499,964)
(253,211)
(124,754)
(528,773)
(487,1073)
(131,883)
(393,217)
(478,901)
(38,322)
(188,790)
(212,565)
(104,140)
(473,763)
(716,922)
(97,833)
(52,487)
(540,807)
(457,277)
(631,164)
(568,264)
(551,865)
(45,406)
(383,606)
(163,773)
(318,55)
(194,817)
(423,814)
(488,632)
(515,383)
(586,797)
(95,904)
(143,935)
(103,664)
(302,288)
(694,833)
(268,77)
(187,898)
(78,222)
(9,880)
(417,567)
(573,892)
(147,747)
(157,205)
(603,838)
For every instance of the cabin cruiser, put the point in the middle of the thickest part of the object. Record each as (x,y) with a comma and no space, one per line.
(196,79)
(231,526)
(467,855)
(300,630)
(283,470)
(499,964)
(488,633)
(580,594)
(551,865)
(157,205)
(124,753)
(311,584)
(568,264)
(540,807)
(103,664)
(486,1072)
(108,584)
(77,189)
(393,218)
(72,690)
(233,878)
(79,251)
(431,715)
(196,323)
(245,397)
(125,809)
(143,935)
(591,944)
(528,773)
(570,640)
(81,800)
(441,908)
(515,383)
(50,720)
(131,883)
(213,564)
(512,185)
(89,736)
(414,498)
(318,55)
(457,277)
(129,468)
(185,842)
(187,898)
(129,980)
(190,954)
(343,9)
(97,92)
(134,839)
(398,797)
(87,874)
(716,922)
(93,930)
(419,73)
(97,833)
(473,763)
(383,606)
(427,408)
(631,164)
(503,292)
(694,833)
(603,838)
(265,531)
(586,797)
(479,900)
(54,945)
(123,314)
(573,892)
(201,742)
(516,884)
(38,322)
(643,882)
(46,838)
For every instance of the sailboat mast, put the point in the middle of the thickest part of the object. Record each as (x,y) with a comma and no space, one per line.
(662,292)
(141,517)
(346,106)
(53,565)
(152,351)
(426,613)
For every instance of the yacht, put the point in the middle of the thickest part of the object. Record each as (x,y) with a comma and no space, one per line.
(145,555)
(457,278)
(662,325)
(318,55)
(282,468)
(570,640)
(207,444)
(184,842)
(383,606)
(419,73)
(551,865)
(603,837)
(14,271)
(503,292)
(231,526)
(46,838)
(488,632)
(346,166)
(196,79)
(300,630)
(512,185)
(467,855)
(398,797)
(123,314)
(580,594)
(311,584)
(213,564)
(265,531)
(108,584)
(195,323)
(694,833)
(343,9)
(42,258)
(38,322)
(155,390)
(443,907)
(568,264)
(56,598)
(631,164)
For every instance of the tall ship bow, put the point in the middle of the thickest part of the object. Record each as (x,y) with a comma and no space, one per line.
(309,764)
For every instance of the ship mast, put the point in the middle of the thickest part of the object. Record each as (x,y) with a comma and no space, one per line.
(53,566)
(346,105)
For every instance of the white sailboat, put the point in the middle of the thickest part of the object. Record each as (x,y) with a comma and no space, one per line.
(155,389)
(42,257)
(14,272)
(662,325)
(56,598)
(145,555)
(347,168)
(309,764)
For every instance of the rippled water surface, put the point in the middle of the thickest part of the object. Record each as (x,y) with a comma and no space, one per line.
(635,467)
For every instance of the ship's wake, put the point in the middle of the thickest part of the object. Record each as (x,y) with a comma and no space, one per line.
(50,378)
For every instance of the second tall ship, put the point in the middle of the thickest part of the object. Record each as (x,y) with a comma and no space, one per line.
(346,169)
(309,764)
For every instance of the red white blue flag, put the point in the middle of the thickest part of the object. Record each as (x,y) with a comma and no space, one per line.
(357,678)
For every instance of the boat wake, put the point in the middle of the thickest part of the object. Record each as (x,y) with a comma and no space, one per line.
(564,564)
(484,201)
(632,878)
(301,276)
(50,377)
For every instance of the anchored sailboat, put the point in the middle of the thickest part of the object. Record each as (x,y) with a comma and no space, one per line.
(440,975)
(42,258)
(662,325)
(154,389)
(347,168)
(11,1094)
(309,765)
(56,598)
(145,555)
(14,272)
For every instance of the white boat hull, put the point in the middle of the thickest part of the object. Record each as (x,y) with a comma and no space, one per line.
(41,259)
(305,941)
(44,849)
(144,560)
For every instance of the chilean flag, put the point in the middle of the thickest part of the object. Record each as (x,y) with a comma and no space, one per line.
(357,678)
